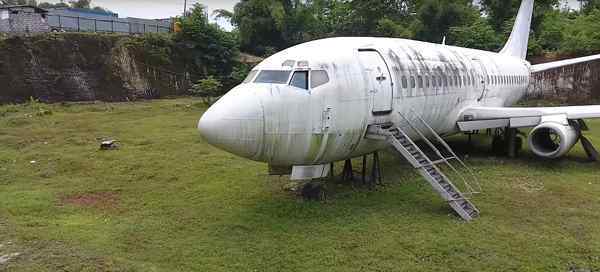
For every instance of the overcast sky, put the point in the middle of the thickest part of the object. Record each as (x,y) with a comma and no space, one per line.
(153,9)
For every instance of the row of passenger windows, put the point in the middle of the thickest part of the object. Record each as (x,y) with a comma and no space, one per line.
(300,79)
(458,81)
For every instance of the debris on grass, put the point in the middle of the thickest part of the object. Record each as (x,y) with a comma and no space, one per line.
(109,145)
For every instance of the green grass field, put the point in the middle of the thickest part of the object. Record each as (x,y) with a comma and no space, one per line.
(167,201)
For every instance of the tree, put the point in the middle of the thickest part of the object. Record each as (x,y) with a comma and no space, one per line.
(367,14)
(207,48)
(436,17)
(223,14)
(479,35)
(207,89)
(501,11)
(261,23)
(47,5)
(581,36)
(81,4)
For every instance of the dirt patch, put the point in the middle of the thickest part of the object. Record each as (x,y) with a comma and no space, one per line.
(97,200)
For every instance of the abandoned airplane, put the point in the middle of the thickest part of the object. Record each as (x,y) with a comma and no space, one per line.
(340,98)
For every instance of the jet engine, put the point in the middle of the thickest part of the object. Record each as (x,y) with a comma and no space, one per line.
(553,140)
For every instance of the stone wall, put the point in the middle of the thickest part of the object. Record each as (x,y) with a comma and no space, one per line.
(83,67)
(575,85)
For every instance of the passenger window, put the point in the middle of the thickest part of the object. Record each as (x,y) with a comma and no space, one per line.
(300,80)
(427,82)
(404,82)
(420,81)
(318,78)
(412,82)
(250,76)
(273,76)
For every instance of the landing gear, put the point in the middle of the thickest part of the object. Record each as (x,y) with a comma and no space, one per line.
(507,142)
(375,177)
(347,173)
(314,191)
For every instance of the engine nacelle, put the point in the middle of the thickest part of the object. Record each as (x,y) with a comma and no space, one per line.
(552,140)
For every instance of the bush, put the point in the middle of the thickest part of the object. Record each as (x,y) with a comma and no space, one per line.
(207,89)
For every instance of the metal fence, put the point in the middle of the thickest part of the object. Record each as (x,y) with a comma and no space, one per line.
(82,24)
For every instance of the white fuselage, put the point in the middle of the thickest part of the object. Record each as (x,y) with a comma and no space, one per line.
(370,81)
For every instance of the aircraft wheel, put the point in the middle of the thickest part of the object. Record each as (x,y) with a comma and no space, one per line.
(314,191)
(518,145)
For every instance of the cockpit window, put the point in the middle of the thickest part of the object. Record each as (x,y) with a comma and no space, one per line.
(250,76)
(300,80)
(273,76)
(318,78)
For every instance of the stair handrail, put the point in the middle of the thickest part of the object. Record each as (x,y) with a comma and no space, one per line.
(437,151)
(451,151)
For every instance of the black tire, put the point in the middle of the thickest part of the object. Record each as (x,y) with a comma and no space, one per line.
(314,192)
(518,145)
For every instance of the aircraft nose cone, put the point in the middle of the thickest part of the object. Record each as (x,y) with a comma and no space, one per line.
(235,124)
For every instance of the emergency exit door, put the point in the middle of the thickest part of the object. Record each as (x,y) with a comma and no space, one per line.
(379,79)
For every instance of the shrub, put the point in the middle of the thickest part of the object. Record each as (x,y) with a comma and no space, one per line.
(207,89)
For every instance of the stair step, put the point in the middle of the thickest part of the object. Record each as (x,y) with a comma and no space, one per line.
(474,214)
(429,171)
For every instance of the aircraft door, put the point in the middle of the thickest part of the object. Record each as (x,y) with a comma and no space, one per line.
(482,80)
(379,80)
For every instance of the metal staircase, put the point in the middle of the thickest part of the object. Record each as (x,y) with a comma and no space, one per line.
(428,167)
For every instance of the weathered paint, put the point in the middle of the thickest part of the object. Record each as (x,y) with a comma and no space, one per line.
(295,129)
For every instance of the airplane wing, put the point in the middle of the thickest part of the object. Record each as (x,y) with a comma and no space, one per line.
(477,118)
(551,65)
